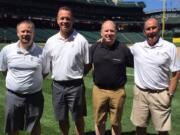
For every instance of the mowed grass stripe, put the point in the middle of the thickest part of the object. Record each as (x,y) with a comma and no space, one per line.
(50,126)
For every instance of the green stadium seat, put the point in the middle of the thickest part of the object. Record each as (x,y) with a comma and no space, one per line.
(133,37)
(9,34)
(91,36)
(98,2)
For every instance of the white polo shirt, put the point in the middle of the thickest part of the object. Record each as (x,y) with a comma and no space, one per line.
(67,56)
(153,64)
(24,68)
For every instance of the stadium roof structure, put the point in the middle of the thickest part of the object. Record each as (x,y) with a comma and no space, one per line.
(85,11)
(104,9)
(172,17)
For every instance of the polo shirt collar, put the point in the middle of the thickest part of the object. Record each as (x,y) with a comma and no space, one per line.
(158,44)
(70,38)
(24,51)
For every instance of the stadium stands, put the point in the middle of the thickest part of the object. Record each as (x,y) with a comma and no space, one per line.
(172,18)
(9,35)
(101,2)
(91,9)
(89,15)
(91,36)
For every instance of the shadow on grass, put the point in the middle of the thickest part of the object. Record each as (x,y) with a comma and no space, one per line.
(108,132)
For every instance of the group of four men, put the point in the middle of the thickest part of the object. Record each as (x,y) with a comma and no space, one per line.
(68,57)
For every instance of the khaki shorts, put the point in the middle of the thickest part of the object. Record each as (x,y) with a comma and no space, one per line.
(156,105)
(108,101)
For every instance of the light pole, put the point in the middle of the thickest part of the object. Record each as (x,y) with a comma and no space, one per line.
(163,17)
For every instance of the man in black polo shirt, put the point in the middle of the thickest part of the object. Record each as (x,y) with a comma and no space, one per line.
(109,59)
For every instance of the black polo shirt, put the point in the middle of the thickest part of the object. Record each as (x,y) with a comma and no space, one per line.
(110,64)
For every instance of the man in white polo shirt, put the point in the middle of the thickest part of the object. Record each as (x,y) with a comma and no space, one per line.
(23,66)
(154,61)
(67,53)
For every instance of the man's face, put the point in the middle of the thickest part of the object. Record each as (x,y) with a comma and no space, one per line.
(25,33)
(108,33)
(151,31)
(65,21)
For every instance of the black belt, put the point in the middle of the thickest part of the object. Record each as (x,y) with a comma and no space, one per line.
(110,87)
(151,90)
(23,95)
(70,82)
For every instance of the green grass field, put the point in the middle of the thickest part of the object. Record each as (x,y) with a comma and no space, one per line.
(50,126)
(178,44)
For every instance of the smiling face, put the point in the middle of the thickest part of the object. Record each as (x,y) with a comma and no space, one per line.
(25,33)
(65,21)
(108,32)
(152,31)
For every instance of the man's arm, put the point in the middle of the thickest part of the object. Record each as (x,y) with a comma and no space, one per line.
(130,59)
(87,68)
(46,63)
(173,83)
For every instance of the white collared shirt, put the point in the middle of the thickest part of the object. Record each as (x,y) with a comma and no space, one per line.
(153,64)
(67,56)
(24,68)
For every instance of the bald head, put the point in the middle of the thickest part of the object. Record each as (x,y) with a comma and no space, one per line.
(151,21)
(108,32)
(152,31)
(108,23)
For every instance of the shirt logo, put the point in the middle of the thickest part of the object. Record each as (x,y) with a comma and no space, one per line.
(117,60)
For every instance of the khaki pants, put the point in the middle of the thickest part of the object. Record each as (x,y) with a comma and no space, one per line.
(154,105)
(108,101)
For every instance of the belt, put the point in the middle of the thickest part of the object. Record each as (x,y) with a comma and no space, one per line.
(151,90)
(70,82)
(110,87)
(22,95)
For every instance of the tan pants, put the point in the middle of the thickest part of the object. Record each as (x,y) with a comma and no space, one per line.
(108,101)
(154,105)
